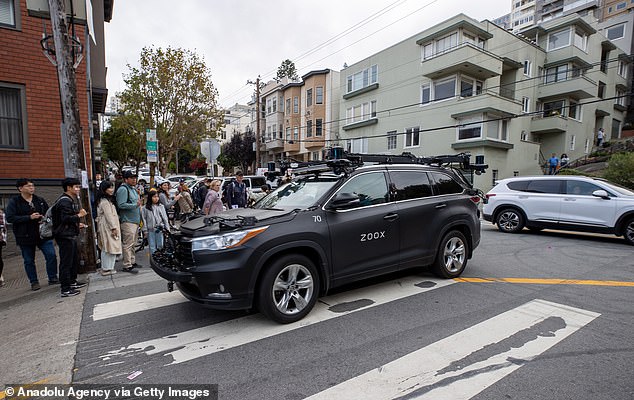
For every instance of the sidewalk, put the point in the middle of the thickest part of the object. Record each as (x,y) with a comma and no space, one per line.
(40,329)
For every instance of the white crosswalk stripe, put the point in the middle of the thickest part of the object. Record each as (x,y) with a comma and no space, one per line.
(118,308)
(188,345)
(464,364)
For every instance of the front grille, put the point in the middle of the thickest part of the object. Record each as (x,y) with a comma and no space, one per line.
(183,254)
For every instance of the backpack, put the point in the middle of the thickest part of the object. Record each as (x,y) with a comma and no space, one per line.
(46,226)
(116,203)
(197,196)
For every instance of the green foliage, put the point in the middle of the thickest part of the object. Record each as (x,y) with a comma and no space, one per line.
(571,171)
(287,69)
(171,91)
(171,167)
(621,169)
(121,143)
(238,152)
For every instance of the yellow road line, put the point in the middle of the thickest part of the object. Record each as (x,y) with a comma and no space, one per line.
(547,281)
(40,382)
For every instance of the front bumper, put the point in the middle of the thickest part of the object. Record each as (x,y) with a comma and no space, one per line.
(487,217)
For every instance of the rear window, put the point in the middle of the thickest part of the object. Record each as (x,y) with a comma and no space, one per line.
(406,185)
(445,184)
(520,186)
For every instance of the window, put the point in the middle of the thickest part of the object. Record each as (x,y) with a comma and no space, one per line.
(556,74)
(560,39)
(359,145)
(371,188)
(391,140)
(295,105)
(601,91)
(552,186)
(526,104)
(581,41)
(314,156)
(572,143)
(7,13)
(268,106)
(604,61)
(361,112)
(274,133)
(408,185)
(288,134)
(425,93)
(620,97)
(361,79)
(580,188)
(621,6)
(281,131)
(554,108)
(318,127)
(622,69)
(586,147)
(12,116)
(319,95)
(470,87)
(412,137)
(296,133)
(428,51)
(288,106)
(470,128)
(274,106)
(309,97)
(497,129)
(616,32)
(574,110)
(309,128)
(445,89)
(445,184)
(447,43)
(527,68)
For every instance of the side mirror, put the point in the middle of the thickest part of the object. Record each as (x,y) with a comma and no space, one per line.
(344,200)
(601,193)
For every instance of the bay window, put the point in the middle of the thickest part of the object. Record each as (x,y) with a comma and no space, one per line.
(557,40)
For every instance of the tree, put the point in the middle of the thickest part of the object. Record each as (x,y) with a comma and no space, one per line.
(621,169)
(171,91)
(287,70)
(238,152)
(121,142)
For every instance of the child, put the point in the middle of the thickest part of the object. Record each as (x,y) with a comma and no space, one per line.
(154,218)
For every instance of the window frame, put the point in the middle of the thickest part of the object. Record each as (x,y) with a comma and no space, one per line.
(411,134)
(392,140)
(309,97)
(620,26)
(319,95)
(362,79)
(14,6)
(21,118)
(551,47)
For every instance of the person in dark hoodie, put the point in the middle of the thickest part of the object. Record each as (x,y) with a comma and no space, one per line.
(67,216)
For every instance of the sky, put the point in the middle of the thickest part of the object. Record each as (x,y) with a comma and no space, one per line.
(240,40)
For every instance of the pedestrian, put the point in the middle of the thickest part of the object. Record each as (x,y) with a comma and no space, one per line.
(154,219)
(237,192)
(25,211)
(185,202)
(67,215)
(213,202)
(564,160)
(553,163)
(164,196)
(255,197)
(129,206)
(3,242)
(600,137)
(200,194)
(108,228)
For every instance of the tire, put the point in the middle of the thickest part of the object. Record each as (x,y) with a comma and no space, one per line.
(288,289)
(628,231)
(510,220)
(452,255)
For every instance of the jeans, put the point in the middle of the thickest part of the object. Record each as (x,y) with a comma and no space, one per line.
(68,262)
(28,254)
(155,240)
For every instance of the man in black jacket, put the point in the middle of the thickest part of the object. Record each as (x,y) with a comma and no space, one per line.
(66,224)
(25,212)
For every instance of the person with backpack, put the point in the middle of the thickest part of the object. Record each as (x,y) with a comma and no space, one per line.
(108,228)
(128,204)
(25,211)
(236,192)
(185,202)
(67,215)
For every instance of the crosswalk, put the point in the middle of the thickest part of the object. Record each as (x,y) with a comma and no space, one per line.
(458,366)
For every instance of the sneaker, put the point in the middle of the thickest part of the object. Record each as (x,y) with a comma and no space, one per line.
(70,292)
(135,265)
(106,272)
(35,286)
(53,281)
(77,284)
(130,270)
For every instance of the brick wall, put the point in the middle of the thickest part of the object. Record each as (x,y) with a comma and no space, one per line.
(22,62)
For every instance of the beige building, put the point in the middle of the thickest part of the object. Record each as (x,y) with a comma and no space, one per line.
(465,85)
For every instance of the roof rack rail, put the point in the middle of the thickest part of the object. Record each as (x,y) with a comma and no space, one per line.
(341,162)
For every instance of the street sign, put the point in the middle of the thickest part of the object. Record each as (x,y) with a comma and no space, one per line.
(151,145)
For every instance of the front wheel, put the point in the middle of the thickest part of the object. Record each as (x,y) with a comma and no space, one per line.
(628,233)
(510,220)
(452,255)
(289,289)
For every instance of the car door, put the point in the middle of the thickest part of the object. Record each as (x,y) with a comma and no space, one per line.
(541,200)
(580,207)
(416,206)
(364,239)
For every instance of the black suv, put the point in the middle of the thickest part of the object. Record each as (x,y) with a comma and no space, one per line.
(323,230)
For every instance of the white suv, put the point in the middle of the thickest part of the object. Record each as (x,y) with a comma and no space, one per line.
(574,203)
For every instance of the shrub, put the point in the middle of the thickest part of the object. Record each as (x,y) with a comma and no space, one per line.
(621,169)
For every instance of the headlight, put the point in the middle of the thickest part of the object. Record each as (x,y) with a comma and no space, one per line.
(227,240)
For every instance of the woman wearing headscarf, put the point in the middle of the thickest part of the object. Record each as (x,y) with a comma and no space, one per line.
(108,228)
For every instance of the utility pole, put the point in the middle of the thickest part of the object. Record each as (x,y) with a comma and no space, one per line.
(72,140)
(257,122)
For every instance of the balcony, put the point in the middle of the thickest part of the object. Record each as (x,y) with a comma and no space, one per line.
(291,146)
(554,124)
(314,141)
(578,87)
(275,144)
(487,102)
(465,58)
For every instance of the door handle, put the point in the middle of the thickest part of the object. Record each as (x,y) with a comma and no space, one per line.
(441,205)
(570,199)
(391,217)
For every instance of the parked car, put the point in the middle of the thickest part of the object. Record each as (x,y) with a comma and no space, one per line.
(324,230)
(574,203)
(188,179)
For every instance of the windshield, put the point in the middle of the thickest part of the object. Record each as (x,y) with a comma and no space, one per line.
(298,194)
(618,188)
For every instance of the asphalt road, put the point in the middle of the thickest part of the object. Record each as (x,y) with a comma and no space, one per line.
(536,316)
